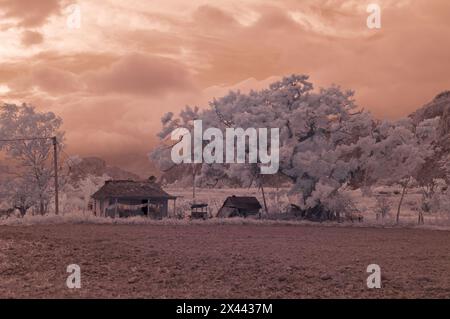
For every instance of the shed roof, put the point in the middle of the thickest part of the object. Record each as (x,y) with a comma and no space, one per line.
(131,189)
(242,202)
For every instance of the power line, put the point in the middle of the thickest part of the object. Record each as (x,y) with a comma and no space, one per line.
(55,159)
(25,139)
(19,139)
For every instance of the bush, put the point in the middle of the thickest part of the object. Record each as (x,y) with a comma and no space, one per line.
(383,207)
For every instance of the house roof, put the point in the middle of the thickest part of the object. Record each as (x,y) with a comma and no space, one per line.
(131,189)
(242,202)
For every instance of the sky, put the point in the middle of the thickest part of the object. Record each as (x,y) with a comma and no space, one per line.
(114,75)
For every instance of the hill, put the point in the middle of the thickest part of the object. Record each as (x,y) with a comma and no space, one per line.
(97,167)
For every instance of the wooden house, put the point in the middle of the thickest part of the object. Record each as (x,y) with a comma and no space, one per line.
(124,198)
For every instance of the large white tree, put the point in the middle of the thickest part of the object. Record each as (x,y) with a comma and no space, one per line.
(319,132)
(32,158)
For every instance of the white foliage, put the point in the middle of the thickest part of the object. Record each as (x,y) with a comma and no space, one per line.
(318,132)
(34,170)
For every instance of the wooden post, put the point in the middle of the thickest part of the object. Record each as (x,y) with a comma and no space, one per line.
(165,208)
(264,197)
(115,208)
(148,208)
(55,163)
(175,207)
(193,183)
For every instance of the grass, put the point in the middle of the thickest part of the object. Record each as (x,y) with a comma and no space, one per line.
(87,218)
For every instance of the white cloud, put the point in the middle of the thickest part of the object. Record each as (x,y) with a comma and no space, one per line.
(4,89)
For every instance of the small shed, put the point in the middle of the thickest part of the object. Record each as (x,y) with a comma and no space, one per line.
(124,198)
(239,206)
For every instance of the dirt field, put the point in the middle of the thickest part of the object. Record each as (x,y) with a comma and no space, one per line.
(222,261)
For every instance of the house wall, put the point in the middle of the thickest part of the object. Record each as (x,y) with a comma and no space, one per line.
(225,212)
(165,208)
(106,207)
(158,208)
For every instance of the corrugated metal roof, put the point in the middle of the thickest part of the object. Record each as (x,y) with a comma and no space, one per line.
(131,189)
(242,202)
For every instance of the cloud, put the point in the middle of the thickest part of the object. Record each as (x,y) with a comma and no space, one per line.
(29,13)
(142,75)
(132,61)
(213,17)
(30,38)
(54,81)
(4,89)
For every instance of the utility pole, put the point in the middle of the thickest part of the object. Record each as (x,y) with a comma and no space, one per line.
(55,162)
(55,159)
(193,183)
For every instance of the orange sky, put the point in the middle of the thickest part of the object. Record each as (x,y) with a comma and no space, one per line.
(132,61)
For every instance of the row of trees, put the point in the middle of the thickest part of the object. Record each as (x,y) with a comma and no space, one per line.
(326,142)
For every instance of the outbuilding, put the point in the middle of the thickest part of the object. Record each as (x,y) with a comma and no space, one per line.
(124,198)
(239,206)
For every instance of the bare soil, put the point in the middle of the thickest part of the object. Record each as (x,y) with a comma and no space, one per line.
(222,261)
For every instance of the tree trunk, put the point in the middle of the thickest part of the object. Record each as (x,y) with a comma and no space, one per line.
(22,211)
(401,201)
(421,220)
(264,197)
(278,190)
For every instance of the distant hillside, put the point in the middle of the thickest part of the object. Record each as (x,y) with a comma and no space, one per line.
(98,167)
(438,107)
